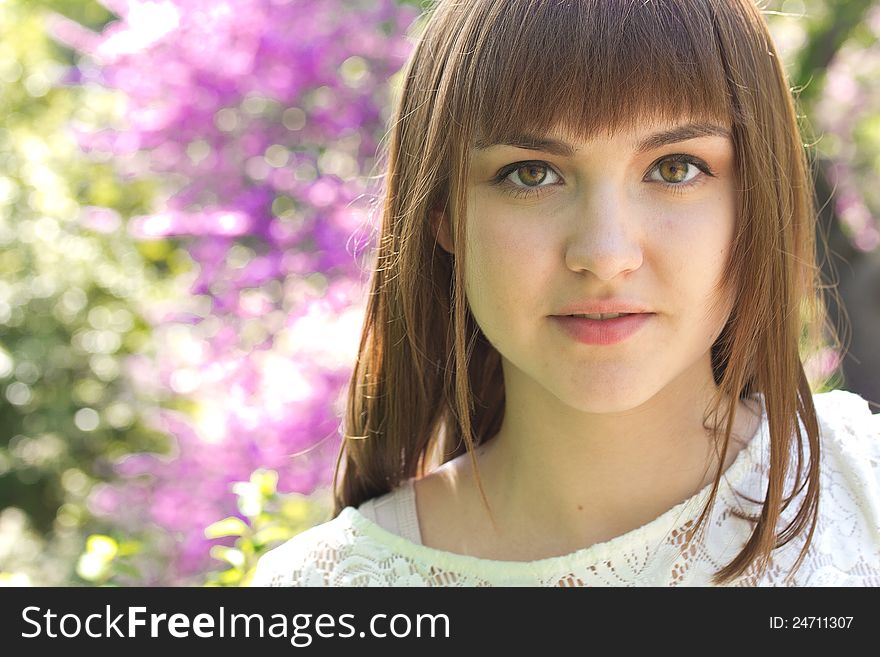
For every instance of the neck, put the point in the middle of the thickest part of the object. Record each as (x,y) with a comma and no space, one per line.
(582,478)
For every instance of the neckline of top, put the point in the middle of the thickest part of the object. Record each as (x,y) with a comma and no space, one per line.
(652,532)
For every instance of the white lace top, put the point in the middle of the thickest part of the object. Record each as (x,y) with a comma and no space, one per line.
(378,544)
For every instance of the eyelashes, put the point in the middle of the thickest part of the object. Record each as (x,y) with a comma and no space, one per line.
(503,178)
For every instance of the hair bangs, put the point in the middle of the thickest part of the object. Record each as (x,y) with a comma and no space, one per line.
(595,66)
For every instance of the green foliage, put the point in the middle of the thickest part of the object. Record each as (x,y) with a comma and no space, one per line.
(70,300)
(270,519)
(104,557)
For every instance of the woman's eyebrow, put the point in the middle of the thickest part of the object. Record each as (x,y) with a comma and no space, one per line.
(681,133)
(649,143)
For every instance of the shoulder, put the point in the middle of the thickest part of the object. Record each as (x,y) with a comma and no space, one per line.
(308,558)
(850,453)
(850,430)
(845,549)
(348,550)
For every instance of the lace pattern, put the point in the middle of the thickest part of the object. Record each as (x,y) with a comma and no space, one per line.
(352,550)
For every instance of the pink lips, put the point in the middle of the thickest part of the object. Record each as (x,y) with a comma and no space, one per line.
(602,331)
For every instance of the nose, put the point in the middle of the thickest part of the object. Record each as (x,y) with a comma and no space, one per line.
(604,239)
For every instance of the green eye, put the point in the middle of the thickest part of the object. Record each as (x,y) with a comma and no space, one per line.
(679,171)
(526,179)
(532,174)
(673,171)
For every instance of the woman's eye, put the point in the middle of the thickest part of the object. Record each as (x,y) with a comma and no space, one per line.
(530,174)
(679,170)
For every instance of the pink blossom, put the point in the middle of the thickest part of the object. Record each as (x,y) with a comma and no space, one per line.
(244,108)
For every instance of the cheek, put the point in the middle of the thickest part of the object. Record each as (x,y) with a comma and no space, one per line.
(506,252)
(692,251)
(694,246)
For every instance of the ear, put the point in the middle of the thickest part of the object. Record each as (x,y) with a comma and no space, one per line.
(441,228)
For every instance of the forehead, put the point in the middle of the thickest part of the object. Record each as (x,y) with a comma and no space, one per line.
(564,141)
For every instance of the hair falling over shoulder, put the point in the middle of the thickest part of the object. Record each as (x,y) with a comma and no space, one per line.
(427,386)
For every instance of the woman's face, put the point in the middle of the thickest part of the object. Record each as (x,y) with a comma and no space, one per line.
(554,223)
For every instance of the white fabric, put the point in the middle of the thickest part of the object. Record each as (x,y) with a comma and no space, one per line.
(395,512)
(353,550)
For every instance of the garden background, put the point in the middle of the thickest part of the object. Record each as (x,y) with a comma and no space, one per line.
(187,195)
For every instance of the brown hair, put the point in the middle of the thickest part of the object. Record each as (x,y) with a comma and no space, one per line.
(427,385)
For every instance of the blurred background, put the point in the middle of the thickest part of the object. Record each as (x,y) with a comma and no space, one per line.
(186,216)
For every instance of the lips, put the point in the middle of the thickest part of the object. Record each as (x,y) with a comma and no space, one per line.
(601,316)
(602,331)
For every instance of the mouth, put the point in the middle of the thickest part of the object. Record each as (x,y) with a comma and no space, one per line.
(602,328)
(602,316)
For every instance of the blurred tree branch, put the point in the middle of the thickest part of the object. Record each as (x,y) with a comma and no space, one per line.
(824,39)
(856,272)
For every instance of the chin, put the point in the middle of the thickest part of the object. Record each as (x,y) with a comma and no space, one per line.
(597,399)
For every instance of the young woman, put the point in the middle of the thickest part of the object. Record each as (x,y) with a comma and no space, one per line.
(595,286)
